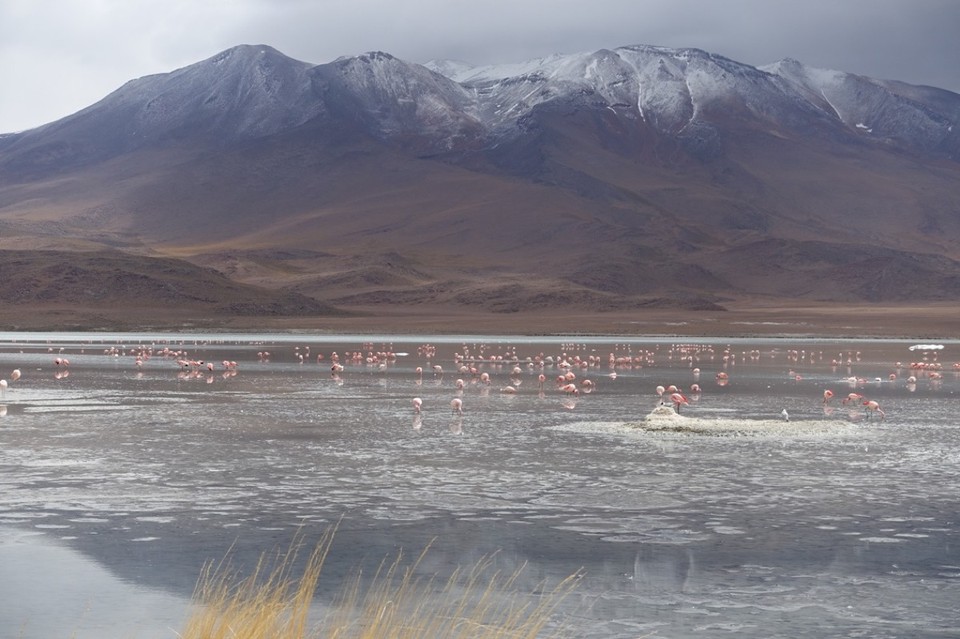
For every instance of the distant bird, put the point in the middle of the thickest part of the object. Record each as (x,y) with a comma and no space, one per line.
(827,395)
(678,400)
(15,375)
(457,405)
(570,389)
(873,406)
(852,397)
(3,386)
(417,403)
(785,415)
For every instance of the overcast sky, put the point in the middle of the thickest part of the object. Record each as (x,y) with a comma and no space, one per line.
(58,56)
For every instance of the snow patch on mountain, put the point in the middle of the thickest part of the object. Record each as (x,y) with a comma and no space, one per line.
(407,98)
(875,106)
(253,90)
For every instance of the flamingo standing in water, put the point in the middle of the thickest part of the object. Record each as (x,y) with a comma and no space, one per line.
(853,397)
(874,407)
(15,375)
(570,389)
(457,405)
(678,399)
(417,403)
(827,395)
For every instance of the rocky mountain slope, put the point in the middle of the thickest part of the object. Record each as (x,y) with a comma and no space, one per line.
(620,179)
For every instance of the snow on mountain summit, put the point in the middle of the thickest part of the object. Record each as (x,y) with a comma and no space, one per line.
(246,91)
(401,97)
(675,89)
(877,108)
(668,88)
(251,91)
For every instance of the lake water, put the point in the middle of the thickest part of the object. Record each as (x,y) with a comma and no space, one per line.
(119,480)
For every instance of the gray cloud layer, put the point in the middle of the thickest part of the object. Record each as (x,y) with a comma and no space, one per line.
(58,56)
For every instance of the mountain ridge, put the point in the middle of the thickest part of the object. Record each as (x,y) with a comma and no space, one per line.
(617,179)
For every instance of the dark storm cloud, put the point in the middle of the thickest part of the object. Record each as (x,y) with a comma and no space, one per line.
(61,55)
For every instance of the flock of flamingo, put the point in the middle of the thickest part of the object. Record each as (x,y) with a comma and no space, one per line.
(568,370)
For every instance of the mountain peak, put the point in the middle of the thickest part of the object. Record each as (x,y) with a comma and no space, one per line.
(244,51)
(375,56)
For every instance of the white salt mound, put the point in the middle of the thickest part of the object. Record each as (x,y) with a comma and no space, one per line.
(664,419)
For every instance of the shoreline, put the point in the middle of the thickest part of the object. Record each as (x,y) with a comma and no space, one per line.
(829,321)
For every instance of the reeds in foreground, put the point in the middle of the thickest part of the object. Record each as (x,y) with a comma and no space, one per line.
(479,603)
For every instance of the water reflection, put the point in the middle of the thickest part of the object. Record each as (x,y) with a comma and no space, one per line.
(49,590)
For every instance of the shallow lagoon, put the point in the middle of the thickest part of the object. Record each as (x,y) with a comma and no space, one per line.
(118,481)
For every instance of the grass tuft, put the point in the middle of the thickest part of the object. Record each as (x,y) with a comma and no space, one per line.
(477,603)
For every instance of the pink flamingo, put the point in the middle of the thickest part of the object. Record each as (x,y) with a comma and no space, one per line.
(457,405)
(417,403)
(678,400)
(873,406)
(570,389)
(827,395)
(852,397)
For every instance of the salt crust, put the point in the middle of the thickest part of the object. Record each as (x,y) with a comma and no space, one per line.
(663,419)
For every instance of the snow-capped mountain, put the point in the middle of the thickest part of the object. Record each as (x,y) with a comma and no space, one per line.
(246,91)
(672,89)
(696,174)
(255,91)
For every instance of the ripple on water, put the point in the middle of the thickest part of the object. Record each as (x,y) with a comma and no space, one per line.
(882,540)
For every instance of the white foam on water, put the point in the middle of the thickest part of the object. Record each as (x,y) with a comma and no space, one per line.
(729,530)
(76,408)
(663,419)
(157,520)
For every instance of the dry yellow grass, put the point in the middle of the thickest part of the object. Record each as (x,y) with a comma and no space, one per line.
(479,603)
